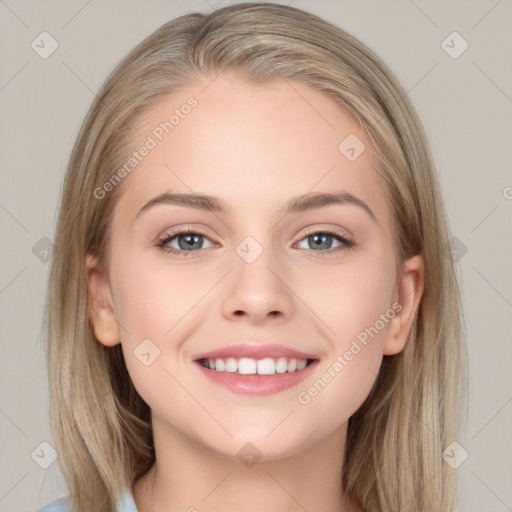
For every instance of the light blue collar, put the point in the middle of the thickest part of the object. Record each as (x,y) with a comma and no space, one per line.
(127,502)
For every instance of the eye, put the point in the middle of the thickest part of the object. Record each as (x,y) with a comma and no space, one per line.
(183,242)
(188,241)
(322,241)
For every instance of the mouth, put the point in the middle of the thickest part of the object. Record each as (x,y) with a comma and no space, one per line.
(256,369)
(250,366)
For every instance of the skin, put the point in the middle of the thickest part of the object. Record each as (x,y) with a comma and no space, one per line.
(255,147)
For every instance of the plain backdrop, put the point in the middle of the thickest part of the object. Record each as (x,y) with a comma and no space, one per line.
(465,104)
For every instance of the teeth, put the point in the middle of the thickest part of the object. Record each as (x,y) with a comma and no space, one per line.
(266,366)
(248,366)
(231,365)
(281,365)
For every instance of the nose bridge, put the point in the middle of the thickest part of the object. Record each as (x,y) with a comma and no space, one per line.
(254,261)
(257,287)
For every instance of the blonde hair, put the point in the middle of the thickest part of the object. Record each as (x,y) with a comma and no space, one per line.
(101,426)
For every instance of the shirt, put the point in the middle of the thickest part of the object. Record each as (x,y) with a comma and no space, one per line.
(63,504)
(127,505)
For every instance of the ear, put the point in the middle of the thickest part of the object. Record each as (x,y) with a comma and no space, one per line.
(101,304)
(410,291)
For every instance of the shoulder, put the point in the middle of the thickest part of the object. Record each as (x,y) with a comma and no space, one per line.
(64,505)
(60,505)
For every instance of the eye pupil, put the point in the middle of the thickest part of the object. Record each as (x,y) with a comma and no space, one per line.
(318,239)
(190,240)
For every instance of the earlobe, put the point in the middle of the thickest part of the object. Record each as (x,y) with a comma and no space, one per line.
(101,304)
(410,290)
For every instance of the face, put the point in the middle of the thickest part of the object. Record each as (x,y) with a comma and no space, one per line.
(318,279)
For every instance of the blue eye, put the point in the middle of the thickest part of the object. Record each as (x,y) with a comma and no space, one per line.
(323,240)
(189,242)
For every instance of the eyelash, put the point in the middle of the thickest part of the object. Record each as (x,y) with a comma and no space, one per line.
(347,243)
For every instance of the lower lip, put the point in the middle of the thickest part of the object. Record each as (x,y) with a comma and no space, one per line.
(256,384)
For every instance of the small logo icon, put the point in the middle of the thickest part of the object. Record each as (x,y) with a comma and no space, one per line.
(44,45)
(249,455)
(454,455)
(43,249)
(249,249)
(351,147)
(44,455)
(456,249)
(146,352)
(454,45)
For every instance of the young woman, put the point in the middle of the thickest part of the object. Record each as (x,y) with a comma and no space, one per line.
(251,305)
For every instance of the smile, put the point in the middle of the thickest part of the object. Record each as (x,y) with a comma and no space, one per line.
(249,366)
(255,368)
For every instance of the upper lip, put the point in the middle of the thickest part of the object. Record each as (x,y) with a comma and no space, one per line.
(254,351)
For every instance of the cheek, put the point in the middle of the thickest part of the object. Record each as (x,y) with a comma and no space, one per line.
(151,300)
(349,299)
(355,306)
(150,303)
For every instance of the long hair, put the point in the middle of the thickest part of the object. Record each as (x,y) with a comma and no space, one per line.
(101,426)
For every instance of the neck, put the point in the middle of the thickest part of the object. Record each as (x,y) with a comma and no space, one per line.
(187,476)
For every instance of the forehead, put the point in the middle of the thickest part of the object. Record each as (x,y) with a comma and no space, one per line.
(253,145)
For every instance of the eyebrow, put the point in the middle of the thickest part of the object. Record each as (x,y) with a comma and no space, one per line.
(303,203)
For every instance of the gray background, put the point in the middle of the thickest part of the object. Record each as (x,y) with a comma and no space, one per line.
(465,104)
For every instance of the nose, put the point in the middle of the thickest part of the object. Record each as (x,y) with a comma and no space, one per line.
(259,291)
